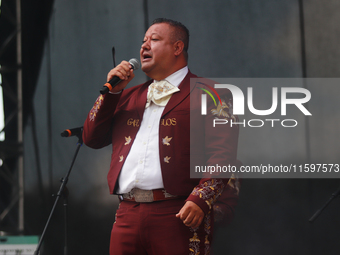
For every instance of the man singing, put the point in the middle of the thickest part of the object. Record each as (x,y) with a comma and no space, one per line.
(162,210)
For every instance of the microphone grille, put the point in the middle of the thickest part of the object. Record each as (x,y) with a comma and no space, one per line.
(135,64)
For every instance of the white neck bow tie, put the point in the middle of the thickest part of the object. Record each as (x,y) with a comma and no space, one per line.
(160,92)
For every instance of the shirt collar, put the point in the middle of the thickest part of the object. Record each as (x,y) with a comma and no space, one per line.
(177,77)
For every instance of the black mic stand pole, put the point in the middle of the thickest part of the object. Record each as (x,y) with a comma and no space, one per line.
(65,196)
(318,212)
(59,194)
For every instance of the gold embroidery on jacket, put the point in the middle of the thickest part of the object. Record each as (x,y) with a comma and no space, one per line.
(133,122)
(209,191)
(121,158)
(169,122)
(224,110)
(166,140)
(234,184)
(96,107)
(166,159)
(128,140)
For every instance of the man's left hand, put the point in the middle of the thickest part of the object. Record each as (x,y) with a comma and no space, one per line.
(191,214)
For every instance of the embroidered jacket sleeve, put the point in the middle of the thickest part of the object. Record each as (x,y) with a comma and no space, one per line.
(224,207)
(97,127)
(220,150)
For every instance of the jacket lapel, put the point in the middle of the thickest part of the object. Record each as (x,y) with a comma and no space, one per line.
(140,99)
(178,97)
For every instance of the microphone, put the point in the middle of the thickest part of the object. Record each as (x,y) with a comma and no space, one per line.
(72,132)
(115,79)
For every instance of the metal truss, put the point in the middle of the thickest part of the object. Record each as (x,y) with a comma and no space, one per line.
(11,150)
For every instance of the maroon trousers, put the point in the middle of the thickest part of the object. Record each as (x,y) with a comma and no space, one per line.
(153,229)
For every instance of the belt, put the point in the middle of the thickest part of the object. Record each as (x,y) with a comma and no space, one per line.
(146,196)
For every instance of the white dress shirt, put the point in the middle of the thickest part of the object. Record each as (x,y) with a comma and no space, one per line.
(142,167)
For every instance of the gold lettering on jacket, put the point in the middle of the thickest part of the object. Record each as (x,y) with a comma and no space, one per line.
(169,122)
(133,122)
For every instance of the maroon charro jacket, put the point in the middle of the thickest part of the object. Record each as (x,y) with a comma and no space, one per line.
(115,119)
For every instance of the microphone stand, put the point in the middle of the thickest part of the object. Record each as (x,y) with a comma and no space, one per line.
(318,212)
(62,192)
(65,196)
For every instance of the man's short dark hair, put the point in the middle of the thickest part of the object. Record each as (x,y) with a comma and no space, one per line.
(180,32)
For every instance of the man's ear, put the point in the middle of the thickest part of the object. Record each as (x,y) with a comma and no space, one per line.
(178,47)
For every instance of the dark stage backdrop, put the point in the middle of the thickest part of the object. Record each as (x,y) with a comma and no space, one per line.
(228,39)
